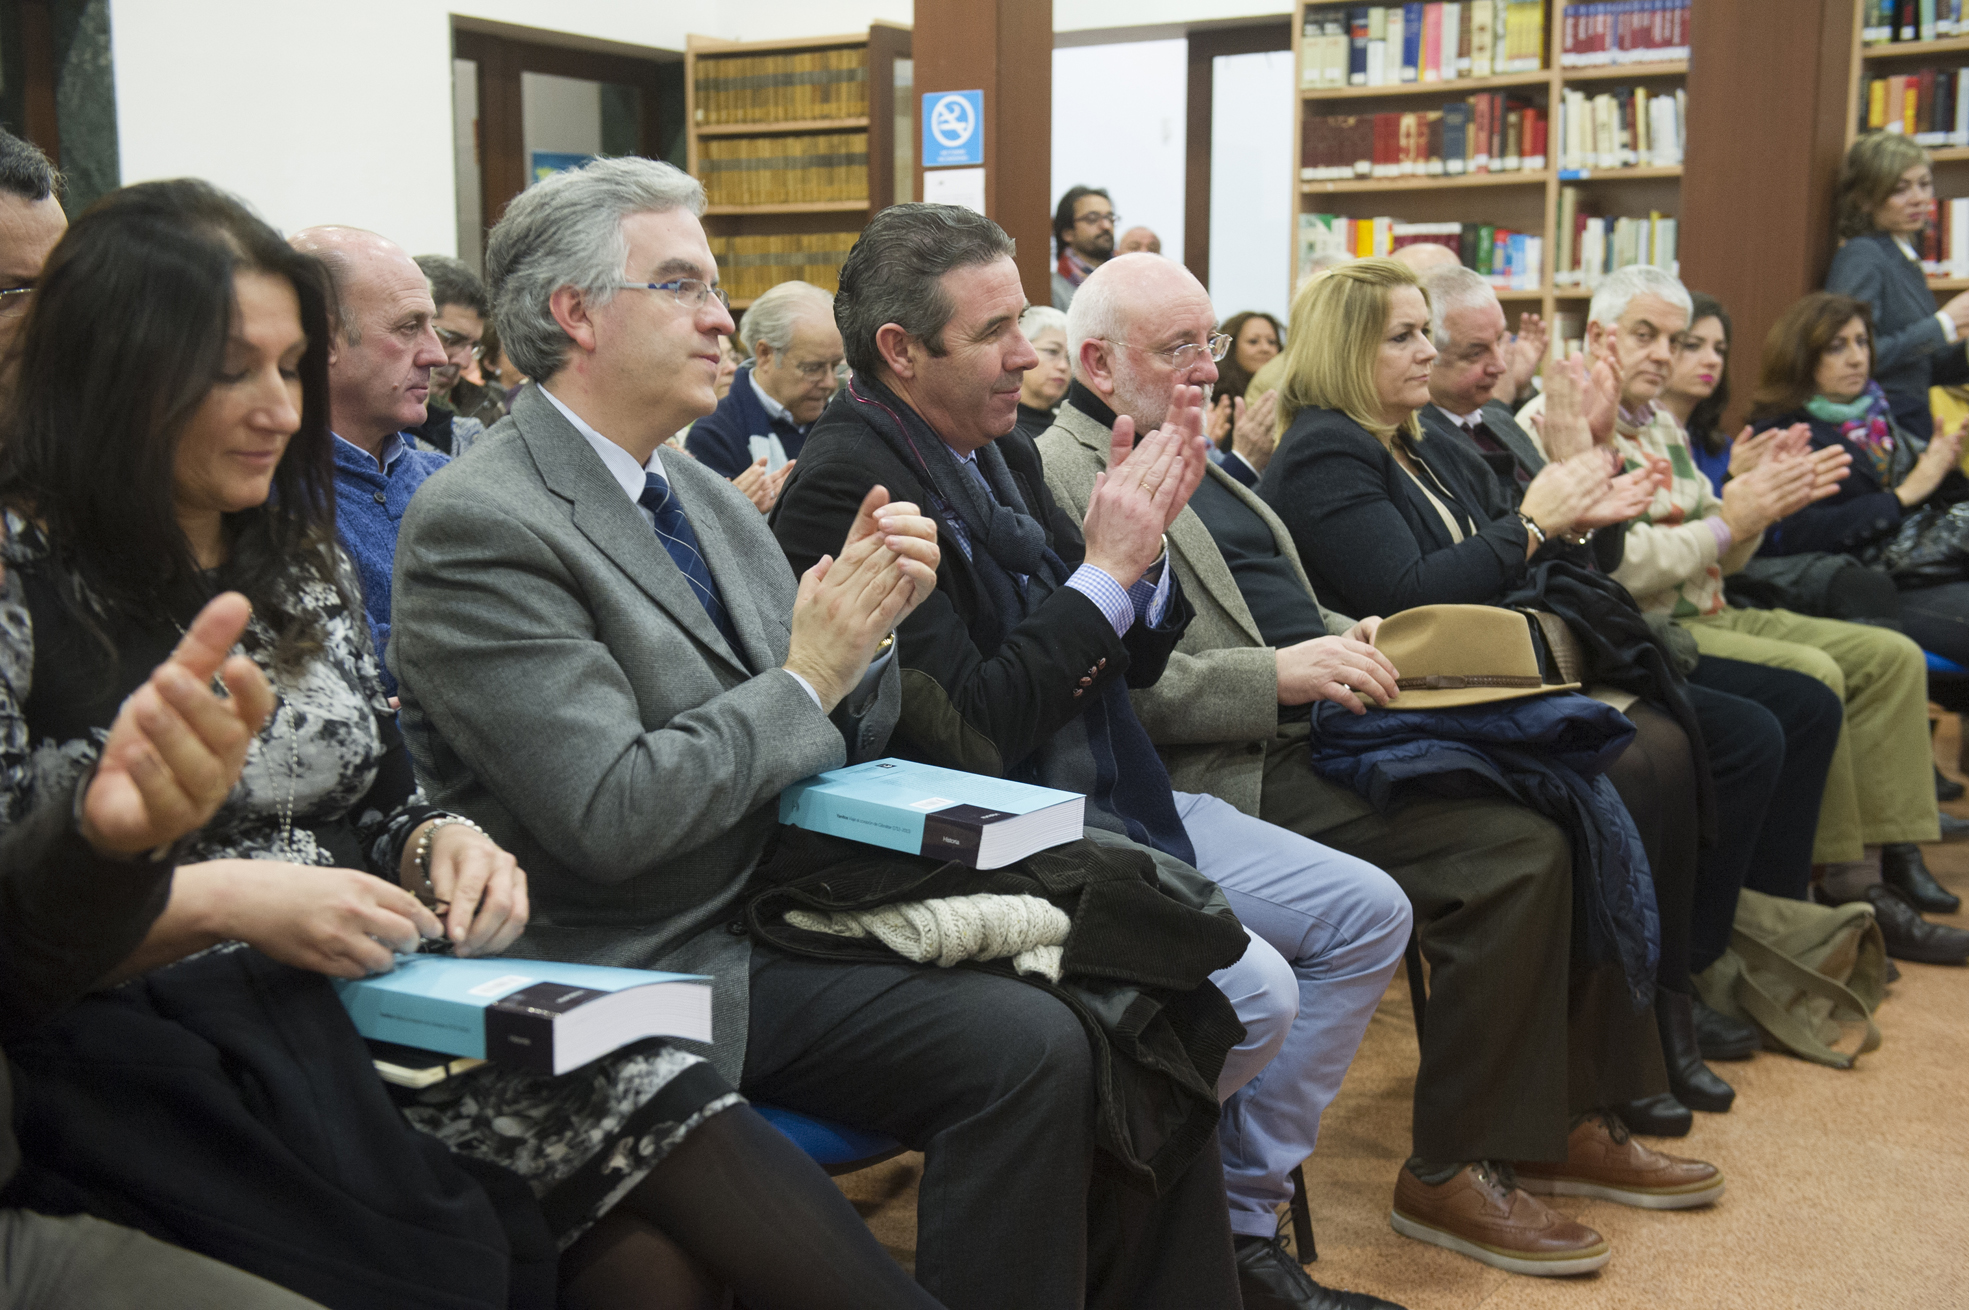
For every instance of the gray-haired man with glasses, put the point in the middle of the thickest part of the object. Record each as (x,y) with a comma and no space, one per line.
(796,365)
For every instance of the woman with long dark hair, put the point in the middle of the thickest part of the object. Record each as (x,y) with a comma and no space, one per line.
(1698,387)
(169,440)
(1256,339)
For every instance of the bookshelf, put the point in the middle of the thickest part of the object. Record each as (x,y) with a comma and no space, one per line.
(1886,59)
(1525,201)
(798,143)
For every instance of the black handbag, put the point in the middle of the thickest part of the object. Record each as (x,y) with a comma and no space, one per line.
(1930,548)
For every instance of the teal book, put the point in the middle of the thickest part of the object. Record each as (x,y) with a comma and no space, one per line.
(545,1016)
(984,822)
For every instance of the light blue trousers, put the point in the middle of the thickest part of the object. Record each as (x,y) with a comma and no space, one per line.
(1328,931)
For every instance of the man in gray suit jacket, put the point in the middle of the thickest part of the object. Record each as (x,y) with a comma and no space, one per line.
(1490,881)
(623,712)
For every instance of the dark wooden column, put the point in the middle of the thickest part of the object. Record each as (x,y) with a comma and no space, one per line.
(1205,46)
(40,122)
(1004,47)
(1767,108)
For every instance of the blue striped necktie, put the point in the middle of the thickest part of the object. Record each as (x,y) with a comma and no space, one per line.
(677,536)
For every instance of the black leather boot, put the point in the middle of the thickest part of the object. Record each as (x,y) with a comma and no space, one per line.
(1721,1037)
(1901,866)
(1946,788)
(1656,1116)
(1911,937)
(1693,1082)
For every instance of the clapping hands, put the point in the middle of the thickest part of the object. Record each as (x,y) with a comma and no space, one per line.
(847,605)
(1145,487)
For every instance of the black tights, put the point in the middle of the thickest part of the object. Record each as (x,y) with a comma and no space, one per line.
(735,1205)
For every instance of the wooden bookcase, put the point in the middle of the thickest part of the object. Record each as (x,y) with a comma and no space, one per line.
(1524,201)
(889,123)
(1870,61)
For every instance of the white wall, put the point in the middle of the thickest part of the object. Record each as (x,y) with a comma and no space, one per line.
(340,111)
(1118,123)
(1077,15)
(1250,183)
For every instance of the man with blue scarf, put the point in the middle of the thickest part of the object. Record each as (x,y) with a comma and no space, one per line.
(1021,662)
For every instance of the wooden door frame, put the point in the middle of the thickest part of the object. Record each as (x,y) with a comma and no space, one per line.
(1204,47)
(504,52)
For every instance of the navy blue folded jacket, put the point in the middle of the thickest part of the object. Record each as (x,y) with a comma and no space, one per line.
(1547,752)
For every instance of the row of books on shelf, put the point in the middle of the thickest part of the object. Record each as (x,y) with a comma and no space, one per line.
(1511,260)
(1488,133)
(781,170)
(1587,247)
(1626,127)
(1387,45)
(780,88)
(1885,21)
(751,264)
(1604,32)
(1931,105)
(1944,244)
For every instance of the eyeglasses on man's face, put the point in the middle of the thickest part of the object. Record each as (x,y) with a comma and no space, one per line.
(813,370)
(690,292)
(1095,218)
(14,300)
(461,348)
(1189,356)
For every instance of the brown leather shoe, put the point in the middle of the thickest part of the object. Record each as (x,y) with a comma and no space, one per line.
(1479,1213)
(1603,1160)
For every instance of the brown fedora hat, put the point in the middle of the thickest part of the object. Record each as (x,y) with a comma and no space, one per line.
(1462,655)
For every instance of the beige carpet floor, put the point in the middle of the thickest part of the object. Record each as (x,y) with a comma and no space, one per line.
(1847,1188)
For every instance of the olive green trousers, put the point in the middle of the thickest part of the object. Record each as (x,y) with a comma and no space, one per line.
(1881,786)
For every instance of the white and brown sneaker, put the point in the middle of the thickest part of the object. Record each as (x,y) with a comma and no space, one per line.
(1481,1213)
(1604,1161)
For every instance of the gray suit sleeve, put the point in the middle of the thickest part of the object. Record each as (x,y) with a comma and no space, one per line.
(501,653)
(1225,695)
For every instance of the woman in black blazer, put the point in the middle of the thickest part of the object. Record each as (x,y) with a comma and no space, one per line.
(1385,520)
(1815,373)
(1886,198)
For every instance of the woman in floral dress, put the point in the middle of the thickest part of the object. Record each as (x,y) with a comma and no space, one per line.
(169,440)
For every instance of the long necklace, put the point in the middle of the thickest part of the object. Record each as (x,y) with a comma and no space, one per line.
(282,702)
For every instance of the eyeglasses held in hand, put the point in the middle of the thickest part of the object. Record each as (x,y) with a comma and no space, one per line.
(690,292)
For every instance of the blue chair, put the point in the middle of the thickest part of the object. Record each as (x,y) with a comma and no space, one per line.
(1948,687)
(835,1147)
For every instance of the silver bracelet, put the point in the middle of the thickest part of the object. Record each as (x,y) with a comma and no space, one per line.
(421,861)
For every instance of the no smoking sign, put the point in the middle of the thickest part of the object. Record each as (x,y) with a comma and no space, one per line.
(953,128)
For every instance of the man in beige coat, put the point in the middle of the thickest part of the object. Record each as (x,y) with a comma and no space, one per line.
(1506,1064)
